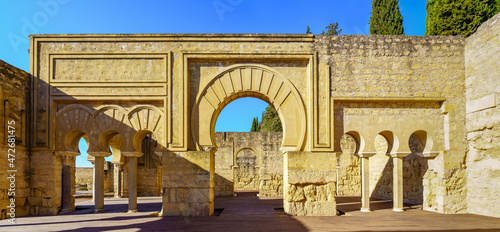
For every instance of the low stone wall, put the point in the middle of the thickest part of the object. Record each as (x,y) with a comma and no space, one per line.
(84,177)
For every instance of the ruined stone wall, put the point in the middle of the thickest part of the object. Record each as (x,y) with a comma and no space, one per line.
(84,176)
(482,69)
(365,70)
(147,179)
(349,169)
(248,161)
(14,100)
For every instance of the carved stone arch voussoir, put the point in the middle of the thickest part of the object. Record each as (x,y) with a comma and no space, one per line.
(110,117)
(249,80)
(148,118)
(72,122)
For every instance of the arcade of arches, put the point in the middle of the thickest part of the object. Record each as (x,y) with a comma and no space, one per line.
(352,107)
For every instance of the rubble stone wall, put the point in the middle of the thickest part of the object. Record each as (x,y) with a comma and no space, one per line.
(14,185)
(248,161)
(482,69)
(366,70)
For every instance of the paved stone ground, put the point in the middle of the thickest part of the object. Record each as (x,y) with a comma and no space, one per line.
(251,213)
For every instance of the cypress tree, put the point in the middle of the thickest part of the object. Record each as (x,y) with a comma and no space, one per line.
(270,120)
(386,18)
(254,125)
(458,17)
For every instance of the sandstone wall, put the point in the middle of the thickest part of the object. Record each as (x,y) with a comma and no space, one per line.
(147,179)
(482,68)
(14,100)
(371,69)
(349,169)
(84,176)
(248,161)
(357,80)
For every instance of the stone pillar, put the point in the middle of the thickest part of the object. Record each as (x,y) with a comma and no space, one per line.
(91,160)
(93,181)
(125,178)
(309,183)
(365,180)
(188,183)
(132,180)
(397,180)
(99,179)
(68,180)
(118,190)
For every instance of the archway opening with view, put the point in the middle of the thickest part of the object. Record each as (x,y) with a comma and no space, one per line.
(248,161)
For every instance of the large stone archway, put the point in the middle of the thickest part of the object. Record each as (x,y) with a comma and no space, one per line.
(250,80)
(175,86)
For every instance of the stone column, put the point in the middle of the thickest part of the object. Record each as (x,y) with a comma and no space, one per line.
(132,180)
(68,180)
(99,179)
(91,160)
(93,181)
(397,179)
(365,181)
(118,190)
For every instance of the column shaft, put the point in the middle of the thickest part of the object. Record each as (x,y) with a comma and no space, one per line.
(93,182)
(66,189)
(365,184)
(132,184)
(118,182)
(398,183)
(99,183)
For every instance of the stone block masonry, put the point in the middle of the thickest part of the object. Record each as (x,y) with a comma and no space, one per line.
(482,69)
(367,71)
(16,193)
(384,91)
(248,161)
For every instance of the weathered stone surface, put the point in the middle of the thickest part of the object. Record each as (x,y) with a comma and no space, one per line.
(248,161)
(441,91)
(482,69)
(15,99)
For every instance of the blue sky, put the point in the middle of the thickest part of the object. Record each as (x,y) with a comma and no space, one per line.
(20,18)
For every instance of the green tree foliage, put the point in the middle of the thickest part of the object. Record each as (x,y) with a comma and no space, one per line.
(270,121)
(386,18)
(255,125)
(458,17)
(333,29)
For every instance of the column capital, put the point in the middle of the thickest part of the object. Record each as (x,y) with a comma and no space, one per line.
(210,148)
(285,149)
(99,154)
(399,154)
(430,154)
(366,154)
(68,153)
(132,154)
(68,159)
